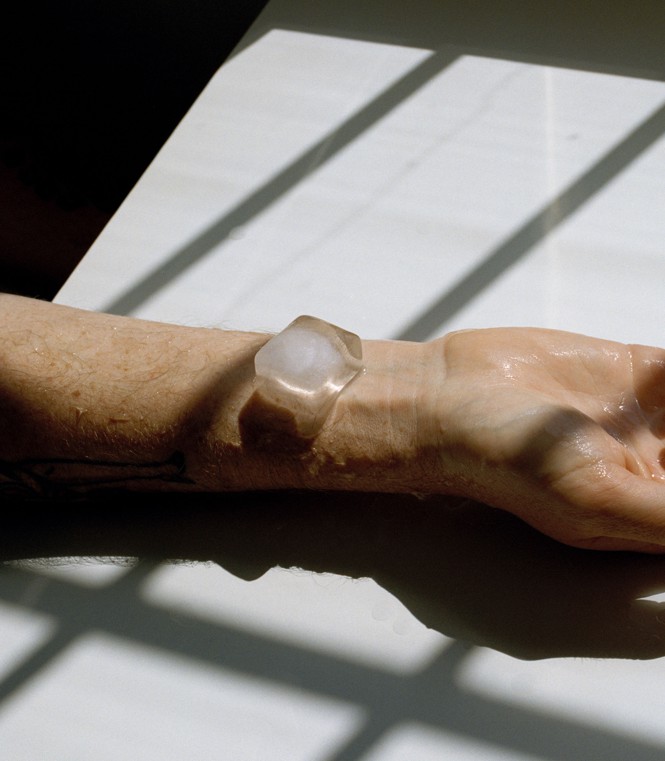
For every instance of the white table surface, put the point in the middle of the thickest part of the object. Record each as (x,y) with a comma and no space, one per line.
(401,186)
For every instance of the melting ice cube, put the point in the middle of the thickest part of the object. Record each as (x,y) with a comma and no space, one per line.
(305,367)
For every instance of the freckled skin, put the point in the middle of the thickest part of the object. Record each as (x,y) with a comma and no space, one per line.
(565,431)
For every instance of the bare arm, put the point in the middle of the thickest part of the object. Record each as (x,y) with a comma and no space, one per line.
(90,400)
(562,430)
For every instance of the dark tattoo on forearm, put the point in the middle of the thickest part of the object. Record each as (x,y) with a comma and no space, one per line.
(62,477)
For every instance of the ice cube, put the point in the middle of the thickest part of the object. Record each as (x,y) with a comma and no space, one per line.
(304,368)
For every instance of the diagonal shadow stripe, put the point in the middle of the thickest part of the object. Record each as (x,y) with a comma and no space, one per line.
(265,196)
(391,714)
(40,659)
(431,697)
(106,599)
(536,228)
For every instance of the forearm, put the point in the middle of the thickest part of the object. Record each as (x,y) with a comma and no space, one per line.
(562,430)
(90,401)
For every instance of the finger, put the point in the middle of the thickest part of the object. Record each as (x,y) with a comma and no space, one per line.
(648,367)
(624,510)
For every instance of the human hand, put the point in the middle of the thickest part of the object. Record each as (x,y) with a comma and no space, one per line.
(565,431)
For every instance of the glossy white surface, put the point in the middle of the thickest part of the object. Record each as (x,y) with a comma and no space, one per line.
(350,618)
(116,701)
(396,192)
(406,740)
(21,632)
(365,205)
(579,691)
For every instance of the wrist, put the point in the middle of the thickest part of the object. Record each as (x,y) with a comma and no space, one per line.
(373,438)
(403,425)
(370,441)
(378,435)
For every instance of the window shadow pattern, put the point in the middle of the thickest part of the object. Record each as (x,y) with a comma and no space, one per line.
(459,295)
(536,229)
(314,158)
(430,697)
